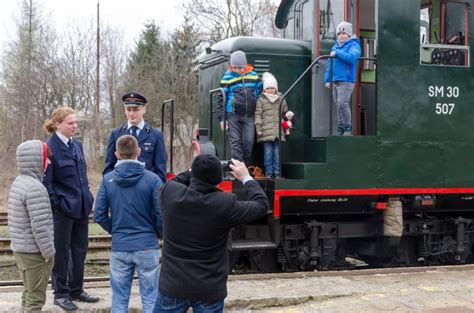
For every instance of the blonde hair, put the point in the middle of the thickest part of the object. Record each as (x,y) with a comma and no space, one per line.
(58,116)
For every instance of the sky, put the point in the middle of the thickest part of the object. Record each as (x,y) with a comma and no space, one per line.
(127,15)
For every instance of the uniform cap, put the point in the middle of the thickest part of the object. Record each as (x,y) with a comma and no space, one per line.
(133,99)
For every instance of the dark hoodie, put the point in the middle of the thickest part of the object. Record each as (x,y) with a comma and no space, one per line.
(129,194)
(197,218)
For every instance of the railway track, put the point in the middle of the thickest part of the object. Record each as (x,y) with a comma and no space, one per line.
(97,244)
(104,280)
(4,218)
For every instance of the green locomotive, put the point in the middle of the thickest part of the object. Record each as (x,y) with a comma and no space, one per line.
(399,192)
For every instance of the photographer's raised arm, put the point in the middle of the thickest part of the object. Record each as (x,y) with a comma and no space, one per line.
(257,204)
(183,177)
(239,170)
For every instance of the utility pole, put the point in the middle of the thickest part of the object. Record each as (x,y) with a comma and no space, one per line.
(97,95)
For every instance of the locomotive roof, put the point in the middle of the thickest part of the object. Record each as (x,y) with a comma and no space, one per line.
(256,45)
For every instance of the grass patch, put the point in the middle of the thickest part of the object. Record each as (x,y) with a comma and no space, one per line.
(4,231)
(96,230)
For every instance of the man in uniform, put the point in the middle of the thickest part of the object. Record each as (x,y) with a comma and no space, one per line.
(150,140)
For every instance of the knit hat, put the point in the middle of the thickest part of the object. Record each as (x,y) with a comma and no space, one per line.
(238,59)
(269,81)
(207,168)
(344,27)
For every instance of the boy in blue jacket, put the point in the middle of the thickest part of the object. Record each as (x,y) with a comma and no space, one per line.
(346,51)
(127,208)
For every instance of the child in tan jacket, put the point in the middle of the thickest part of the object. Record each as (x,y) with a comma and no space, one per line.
(267,119)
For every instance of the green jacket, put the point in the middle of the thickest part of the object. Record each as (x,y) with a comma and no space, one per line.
(267,118)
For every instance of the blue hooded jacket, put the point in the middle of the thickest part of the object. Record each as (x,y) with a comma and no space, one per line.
(344,68)
(130,195)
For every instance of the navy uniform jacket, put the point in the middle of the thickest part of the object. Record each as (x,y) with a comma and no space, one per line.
(152,144)
(66,179)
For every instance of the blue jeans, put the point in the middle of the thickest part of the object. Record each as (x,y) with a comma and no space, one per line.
(175,305)
(271,157)
(122,268)
(341,93)
(241,136)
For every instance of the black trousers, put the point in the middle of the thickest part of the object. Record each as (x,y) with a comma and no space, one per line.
(70,242)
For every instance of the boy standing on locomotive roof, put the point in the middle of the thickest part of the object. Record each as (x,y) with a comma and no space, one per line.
(267,119)
(241,86)
(346,52)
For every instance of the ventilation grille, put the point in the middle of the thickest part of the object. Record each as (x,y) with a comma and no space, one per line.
(261,66)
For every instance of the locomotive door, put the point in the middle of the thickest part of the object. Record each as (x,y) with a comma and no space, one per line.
(361,13)
(328,13)
(364,99)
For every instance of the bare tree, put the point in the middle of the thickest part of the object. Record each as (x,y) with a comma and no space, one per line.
(29,82)
(224,19)
(113,66)
(77,67)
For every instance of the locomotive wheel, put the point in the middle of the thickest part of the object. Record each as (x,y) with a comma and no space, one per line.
(264,261)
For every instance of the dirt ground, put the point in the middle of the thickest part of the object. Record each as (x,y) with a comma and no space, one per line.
(429,291)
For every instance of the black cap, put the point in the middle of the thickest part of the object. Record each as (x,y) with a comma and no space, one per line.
(208,168)
(133,99)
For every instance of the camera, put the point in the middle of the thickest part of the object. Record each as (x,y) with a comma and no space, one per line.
(226,165)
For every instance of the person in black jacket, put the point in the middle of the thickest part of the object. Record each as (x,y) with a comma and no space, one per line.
(197,218)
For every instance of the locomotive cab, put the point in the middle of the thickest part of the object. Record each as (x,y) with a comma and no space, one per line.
(412,149)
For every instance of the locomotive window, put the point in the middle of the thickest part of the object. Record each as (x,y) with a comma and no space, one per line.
(299,22)
(455,21)
(425,25)
(307,21)
(444,33)
(289,31)
(332,13)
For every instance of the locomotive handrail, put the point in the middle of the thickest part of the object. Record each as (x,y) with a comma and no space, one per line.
(315,61)
(211,111)
(171,102)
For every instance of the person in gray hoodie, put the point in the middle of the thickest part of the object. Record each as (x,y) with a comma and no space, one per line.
(30,222)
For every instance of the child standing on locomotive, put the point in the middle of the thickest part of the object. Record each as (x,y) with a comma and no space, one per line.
(241,86)
(267,119)
(346,51)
